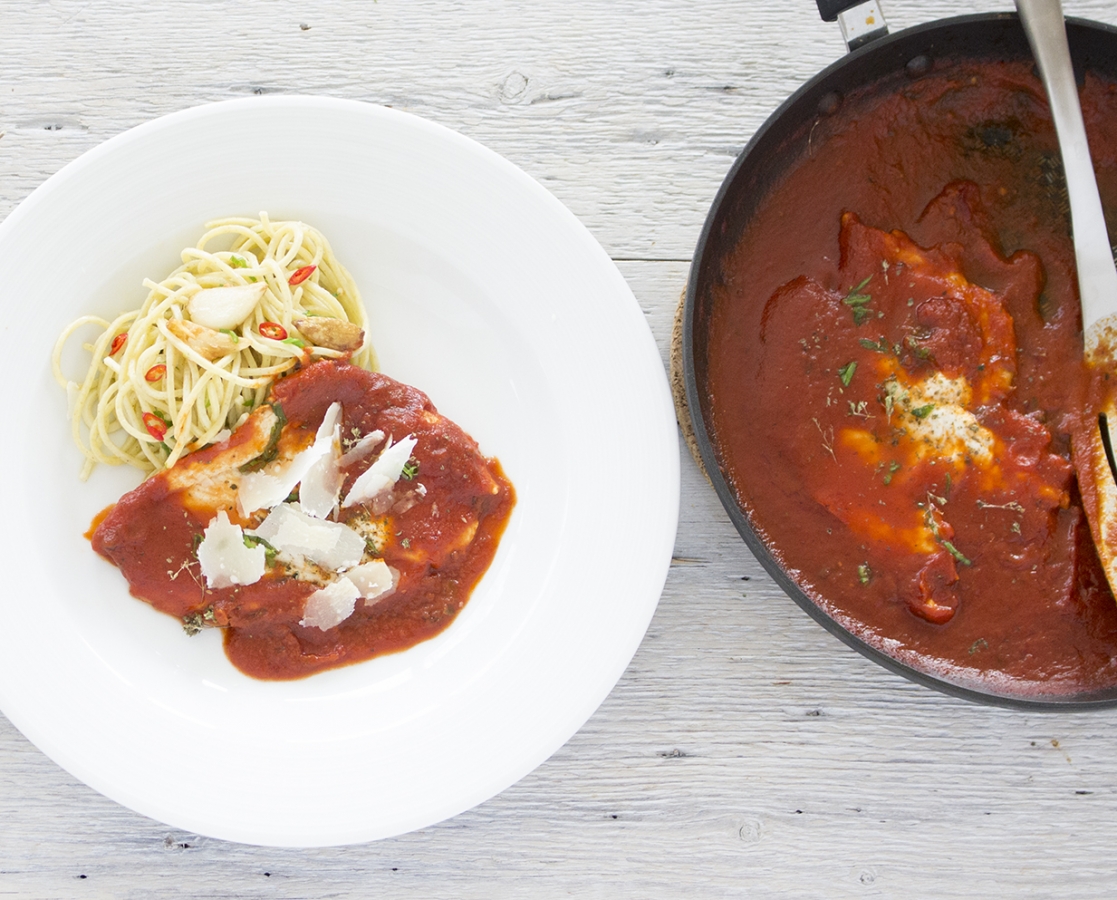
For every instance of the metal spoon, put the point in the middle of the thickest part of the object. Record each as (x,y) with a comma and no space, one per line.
(1093,441)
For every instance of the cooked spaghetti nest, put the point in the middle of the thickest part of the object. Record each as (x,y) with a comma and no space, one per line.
(165,379)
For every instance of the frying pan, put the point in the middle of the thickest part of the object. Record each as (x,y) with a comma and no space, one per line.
(779,142)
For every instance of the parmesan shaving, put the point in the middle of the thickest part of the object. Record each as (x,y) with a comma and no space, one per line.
(328,544)
(382,474)
(328,607)
(375,580)
(224,559)
(264,490)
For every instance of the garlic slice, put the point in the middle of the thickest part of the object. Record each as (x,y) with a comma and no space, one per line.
(224,307)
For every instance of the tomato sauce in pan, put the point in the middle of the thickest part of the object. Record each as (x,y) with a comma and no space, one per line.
(894,368)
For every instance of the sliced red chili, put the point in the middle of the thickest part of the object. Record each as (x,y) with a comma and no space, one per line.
(300,275)
(155,373)
(155,426)
(272,330)
(118,342)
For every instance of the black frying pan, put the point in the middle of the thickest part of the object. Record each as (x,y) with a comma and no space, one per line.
(780,141)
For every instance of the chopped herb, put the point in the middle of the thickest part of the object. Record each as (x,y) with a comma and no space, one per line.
(231,334)
(855,297)
(371,547)
(405,543)
(295,342)
(955,552)
(921,412)
(238,262)
(193,623)
(410,468)
(881,346)
(1012,505)
(893,468)
(845,373)
(857,300)
(272,449)
(917,348)
(252,540)
(979,644)
(864,573)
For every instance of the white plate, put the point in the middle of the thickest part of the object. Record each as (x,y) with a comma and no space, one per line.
(484,291)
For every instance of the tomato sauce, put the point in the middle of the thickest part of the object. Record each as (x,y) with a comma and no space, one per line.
(440,540)
(894,373)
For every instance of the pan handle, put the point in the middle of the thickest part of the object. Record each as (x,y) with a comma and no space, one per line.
(861,20)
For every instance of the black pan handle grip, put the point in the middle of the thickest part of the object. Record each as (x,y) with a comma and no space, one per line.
(829,9)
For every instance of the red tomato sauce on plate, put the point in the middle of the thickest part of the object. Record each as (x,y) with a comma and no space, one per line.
(894,370)
(440,540)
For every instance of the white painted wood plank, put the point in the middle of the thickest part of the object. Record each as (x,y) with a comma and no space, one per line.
(745,752)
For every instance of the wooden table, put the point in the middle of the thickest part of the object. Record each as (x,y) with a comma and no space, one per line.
(745,752)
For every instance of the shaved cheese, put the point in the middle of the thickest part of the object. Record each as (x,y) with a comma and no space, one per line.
(223,557)
(333,604)
(321,485)
(264,490)
(330,606)
(375,580)
(224,307)
(329,544)
(383,473)
(362,448)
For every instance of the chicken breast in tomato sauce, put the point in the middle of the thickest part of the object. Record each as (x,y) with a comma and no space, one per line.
(344,519)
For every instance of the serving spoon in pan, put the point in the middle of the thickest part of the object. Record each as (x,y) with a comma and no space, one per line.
(1093,439)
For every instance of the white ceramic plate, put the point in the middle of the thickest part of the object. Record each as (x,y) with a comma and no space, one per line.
(483,290)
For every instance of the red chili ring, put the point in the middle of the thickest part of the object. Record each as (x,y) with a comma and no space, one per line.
(155,426)
(272,330)
(118,342)
(155,373)
(300,275)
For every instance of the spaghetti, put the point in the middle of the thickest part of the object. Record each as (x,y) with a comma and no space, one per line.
(161,383)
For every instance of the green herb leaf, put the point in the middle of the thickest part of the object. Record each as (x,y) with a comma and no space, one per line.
(295,342)
(855,297)
(845,373)
(860,314)
(238,262)
(410,468)
(232,334)
(864,573)
(921,412)
(252,540)
(955,552)
(272,449)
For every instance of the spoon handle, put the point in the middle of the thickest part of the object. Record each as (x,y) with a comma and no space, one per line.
(1097,276)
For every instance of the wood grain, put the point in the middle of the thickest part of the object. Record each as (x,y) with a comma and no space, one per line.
(745,752)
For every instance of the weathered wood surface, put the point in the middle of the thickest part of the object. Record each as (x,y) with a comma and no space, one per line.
(745,752)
